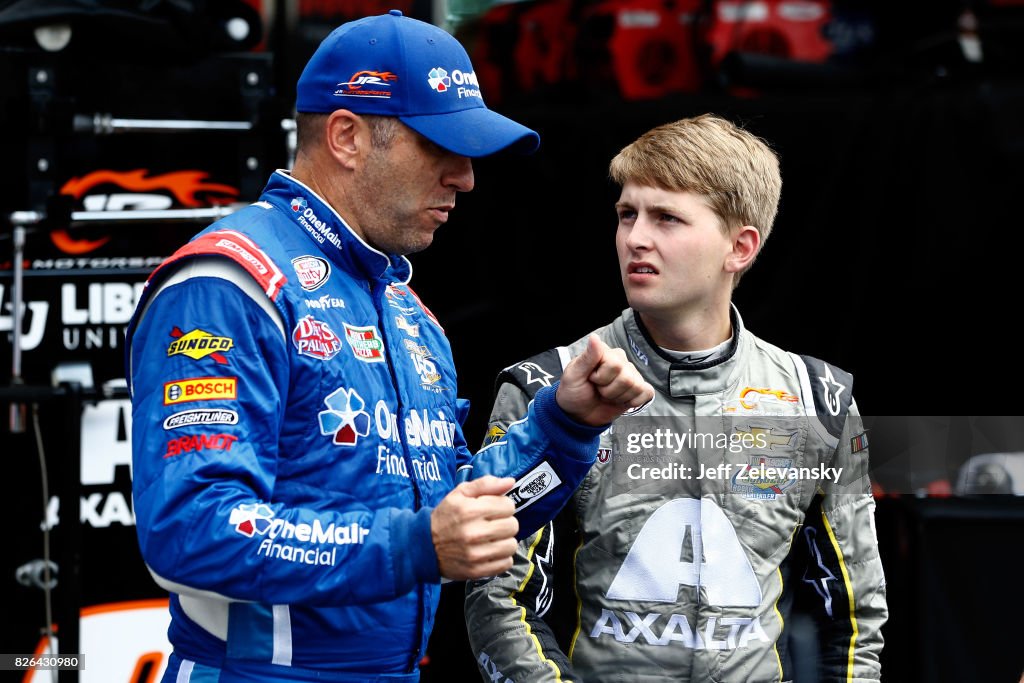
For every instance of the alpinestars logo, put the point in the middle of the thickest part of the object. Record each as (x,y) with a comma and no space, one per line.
(250,519)
(298,204)
(438,79)
(344,418)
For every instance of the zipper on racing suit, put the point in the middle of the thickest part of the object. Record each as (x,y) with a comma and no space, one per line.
(377,291)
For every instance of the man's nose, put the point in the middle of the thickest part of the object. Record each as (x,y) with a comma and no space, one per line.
(459,174)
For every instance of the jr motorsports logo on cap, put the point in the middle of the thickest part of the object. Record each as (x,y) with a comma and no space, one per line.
(367,84)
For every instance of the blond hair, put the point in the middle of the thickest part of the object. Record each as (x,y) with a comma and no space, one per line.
(736,171)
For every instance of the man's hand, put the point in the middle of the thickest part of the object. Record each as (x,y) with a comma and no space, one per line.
(473,529)
(600,384)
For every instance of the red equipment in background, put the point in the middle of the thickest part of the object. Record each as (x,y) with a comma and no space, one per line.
(637,49)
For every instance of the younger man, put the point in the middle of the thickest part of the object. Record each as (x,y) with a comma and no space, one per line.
(740,490)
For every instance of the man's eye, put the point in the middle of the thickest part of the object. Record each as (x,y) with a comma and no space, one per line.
(626,214)
(669,218)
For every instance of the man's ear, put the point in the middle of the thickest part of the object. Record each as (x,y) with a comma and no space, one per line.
(348,137)
(746,242)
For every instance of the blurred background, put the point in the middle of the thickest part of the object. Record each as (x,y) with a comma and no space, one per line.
(126,126)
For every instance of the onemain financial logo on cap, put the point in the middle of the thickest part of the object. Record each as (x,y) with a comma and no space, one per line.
(466,84)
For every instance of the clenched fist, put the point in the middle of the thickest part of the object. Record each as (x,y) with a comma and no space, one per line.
(600,384)
(473,529)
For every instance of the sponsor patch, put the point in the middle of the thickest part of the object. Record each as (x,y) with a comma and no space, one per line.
(315,338)
(344,420)
(312,271)
(201,417)
(365,342)
(250,519)
(411,329)
(539,482)
(200,389)
(198,344)
(763,478)
(603,454)
(325,302)
(494,433)
(242,251)
(439,80)
(422,360)
(763,401)
(367,83)
(859,443)
(200,442)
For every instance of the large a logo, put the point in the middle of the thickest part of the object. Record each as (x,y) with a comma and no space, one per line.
(344,420)
(699,530)
(712,561)
(136,191)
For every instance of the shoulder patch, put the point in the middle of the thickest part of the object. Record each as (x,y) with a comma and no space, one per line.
(534,373)
(241,250)
(832,389)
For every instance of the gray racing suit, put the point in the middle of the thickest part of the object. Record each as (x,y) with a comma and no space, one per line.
(739,494)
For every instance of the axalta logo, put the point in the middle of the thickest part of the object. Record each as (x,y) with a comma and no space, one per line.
(711,560)
(490,669)
(198,344)
(315,339)
(200,389)
(139,191)
(199,442)
(367,84)
(312,271)
(201,417)
(344,420)
(365,342)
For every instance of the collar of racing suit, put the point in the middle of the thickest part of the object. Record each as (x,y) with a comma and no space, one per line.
(312,214)
(679,379)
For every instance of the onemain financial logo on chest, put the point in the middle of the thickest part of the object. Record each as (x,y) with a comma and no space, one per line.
(308,219)
(314,543)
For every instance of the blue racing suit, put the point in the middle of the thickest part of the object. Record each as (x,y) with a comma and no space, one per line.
(295,422)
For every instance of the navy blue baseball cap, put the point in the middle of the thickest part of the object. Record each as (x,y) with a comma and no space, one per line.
(392,65)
